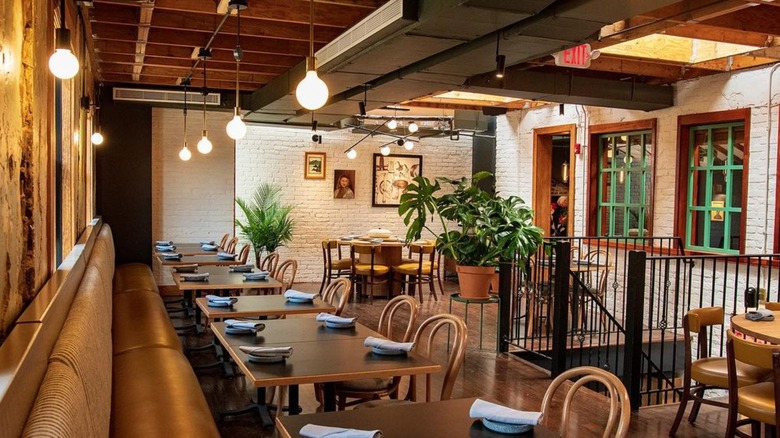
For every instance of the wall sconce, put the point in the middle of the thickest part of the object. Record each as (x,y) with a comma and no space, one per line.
(565,171)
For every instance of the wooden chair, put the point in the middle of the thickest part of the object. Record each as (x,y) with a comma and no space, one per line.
(437,264)
(367,389)
(243,255)
(368,274)
(708,372)
(333,267)
(223,242)
(269,263)
(620,405)
(415,271)
(757,402)
(285,273)
(596,279)
(770,305)
(231,245)
(424,342)
(337,294)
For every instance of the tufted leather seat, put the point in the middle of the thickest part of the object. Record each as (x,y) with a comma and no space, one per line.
(140,320)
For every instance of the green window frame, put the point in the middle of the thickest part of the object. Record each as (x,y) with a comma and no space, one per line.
(624,184)
(716,170)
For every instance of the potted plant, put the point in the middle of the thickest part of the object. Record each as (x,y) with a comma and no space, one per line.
(490,229)
(268,224)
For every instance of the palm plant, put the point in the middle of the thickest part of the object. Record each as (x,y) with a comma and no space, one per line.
(268,224)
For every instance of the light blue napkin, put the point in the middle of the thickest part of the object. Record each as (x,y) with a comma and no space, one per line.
(502,414)
(386,344)
(316,431)
(327,317)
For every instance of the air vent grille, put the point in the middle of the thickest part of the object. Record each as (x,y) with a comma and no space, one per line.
(163,96)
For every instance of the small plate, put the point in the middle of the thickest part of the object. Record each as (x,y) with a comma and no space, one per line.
(383,352)
(509,428)
(239,331)
(300,300)
(265,359)
(339,325)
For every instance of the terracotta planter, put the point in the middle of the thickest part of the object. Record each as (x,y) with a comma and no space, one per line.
(475,281)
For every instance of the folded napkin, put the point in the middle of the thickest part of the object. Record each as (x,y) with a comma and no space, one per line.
(502,414)
(209,247)
(207,242)
(243,324)
(292,293)
(219,299)
(164,242)
(253,276)
(386,344)
(226,256)
(760,315)
(245,268)
(317,431)
(327,317)
(171,256)
(195,277)
(165,248)
(267,351)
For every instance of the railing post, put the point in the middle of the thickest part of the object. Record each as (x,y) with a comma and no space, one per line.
(560,325)
(635,307)
(505,292)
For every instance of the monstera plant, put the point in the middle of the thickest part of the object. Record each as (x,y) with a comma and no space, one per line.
(268,224)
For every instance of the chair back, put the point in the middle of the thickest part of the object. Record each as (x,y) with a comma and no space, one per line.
(224,240)
(328,245)
(760,355)
(337,294)
(696,322)
(285,273)
(269,263)
(391,312)
(597,277)
(750,352)
(231,246)
(243,256)
(358,249)
(770,305)
(424,342)
(620,405)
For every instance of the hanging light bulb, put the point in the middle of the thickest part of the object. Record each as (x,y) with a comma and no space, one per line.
(236,128)
(408,145)
(413,127)
(63,63)
(565,171)
(385,150)
(185,153)
(97,138)
(351,154)
(204,145)
(392,124)
(311,92)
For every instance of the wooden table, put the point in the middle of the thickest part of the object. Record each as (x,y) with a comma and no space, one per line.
(320,355)
(768,331)
(197,260)
(187,249)
(389,255)
(436,419)
(262,305)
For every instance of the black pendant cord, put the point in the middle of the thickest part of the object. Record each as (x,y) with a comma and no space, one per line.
(238,56)
(311,31)
(185,114)
(205,93)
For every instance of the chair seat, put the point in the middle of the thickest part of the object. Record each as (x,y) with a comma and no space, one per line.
(713,371)
(365,269)
(758,402)
(405,261)
(375,384)
(411,268)
(385,402)
(341,264)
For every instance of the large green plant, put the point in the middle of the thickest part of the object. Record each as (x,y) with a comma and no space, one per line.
(490,228)
(268,224)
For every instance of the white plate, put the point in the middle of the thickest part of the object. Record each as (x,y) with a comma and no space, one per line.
(239,331)
(383,352)
(339,325)
(265,359)
(300,300)
(508,428)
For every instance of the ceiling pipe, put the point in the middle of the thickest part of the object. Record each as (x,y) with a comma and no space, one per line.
(208,45)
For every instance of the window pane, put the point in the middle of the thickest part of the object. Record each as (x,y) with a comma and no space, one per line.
(606,187)
(736,188)
(619,220)
(735,227)
(605,220)
(700,188)
(620,187)
(697,228)
(701,145)
(717,225)
(738,153)
(720,146)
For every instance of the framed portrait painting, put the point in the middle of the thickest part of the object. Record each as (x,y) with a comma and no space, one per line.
(314,166)
(391,175)
(343,184)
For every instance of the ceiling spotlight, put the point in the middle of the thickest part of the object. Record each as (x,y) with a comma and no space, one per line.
(392,124)
(362,108)
(413,127)
(385,150)
(500,66)
(408,145)
(400,142)
(351,154)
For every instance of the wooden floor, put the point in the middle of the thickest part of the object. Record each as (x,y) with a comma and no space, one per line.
(501,376)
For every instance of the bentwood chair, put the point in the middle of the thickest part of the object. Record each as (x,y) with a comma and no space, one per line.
(269,263)
(414,272)
(231,245)
(425,344)
(223,242)
(757,402)
(333,267)
(285,273)
(620,405)
(708,372)
(368,275)
(367,389)
(337,294)
(243,255)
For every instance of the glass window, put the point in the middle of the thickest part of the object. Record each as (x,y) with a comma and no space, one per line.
(714,199)
(625,166)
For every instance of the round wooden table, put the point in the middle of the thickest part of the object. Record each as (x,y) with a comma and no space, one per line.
(768,331)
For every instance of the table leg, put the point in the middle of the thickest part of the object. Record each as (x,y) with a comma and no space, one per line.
(294,400)
(258,406)
(329,396)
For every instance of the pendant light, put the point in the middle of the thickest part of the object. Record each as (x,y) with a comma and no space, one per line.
(352,154)
(393,123)
(204,145)
(185,153)
(500,60)
(63,63)
(385,150)
(236,128)
(97,137)
(408,145)
(312,92)
(413,127)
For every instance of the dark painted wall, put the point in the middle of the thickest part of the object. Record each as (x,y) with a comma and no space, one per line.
(123,176)
(484,154)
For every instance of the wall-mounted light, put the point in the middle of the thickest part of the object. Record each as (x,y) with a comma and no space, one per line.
(311,92)
(565,172)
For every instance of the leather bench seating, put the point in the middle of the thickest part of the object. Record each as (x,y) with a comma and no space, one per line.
(95,355)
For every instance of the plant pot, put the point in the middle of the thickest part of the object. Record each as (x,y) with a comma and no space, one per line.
(475,281)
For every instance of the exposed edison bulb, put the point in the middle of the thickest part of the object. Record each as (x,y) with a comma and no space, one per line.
(408,145)
(312,92)
(204,145)
(413,127)
(236,128)
(351,154)
(97,138)
(76,137)
(185,153)
(385,150)
(63,64)
(392,124)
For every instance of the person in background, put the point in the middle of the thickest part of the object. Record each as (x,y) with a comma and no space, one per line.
(560,217)
(344,188)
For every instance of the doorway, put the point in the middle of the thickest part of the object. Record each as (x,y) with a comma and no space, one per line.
(554,178)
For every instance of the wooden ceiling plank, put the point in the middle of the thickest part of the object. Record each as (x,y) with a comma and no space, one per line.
(719,34)
(761,19)
(732,63)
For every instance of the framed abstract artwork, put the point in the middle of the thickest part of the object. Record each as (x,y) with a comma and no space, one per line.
(391,175)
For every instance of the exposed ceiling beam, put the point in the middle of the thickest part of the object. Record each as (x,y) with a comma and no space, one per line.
(219,75)
(160,61)
(224,55)
(152,80)
(761,19)
(721,35)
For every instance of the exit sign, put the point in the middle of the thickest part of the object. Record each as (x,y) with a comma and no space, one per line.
(575,57)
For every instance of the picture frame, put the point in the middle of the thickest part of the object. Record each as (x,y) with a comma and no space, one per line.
(391,174)
(344,184)
(314,165)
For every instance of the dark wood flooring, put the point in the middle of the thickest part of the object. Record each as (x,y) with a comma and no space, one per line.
(503,377)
